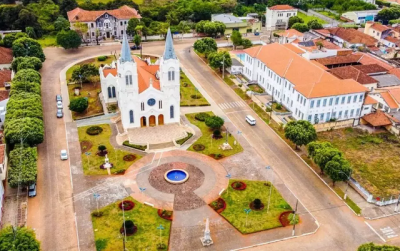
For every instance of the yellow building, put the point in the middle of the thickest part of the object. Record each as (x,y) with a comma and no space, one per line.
(241,24)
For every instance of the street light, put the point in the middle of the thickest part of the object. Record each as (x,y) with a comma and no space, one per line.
(270,188)
(223,67)
(229,176)
(348,179)
(247,211)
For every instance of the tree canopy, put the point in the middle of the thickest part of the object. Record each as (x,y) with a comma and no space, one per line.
(32,129)
(300,27)
(78,104)
(23,166)
(69,39)
(293,20)
(23,105)
(220,60)
(23,239)
(205,45)
(22,63)
(27,75)
(9,39)
(373,247)
(300,132)
(24,86)
(314,25)
(132,24)
(84,73)
(29,47)
(61,23)
(236,38)
(214,122)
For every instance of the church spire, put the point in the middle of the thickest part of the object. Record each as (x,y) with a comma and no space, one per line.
(125,50)
(169,52)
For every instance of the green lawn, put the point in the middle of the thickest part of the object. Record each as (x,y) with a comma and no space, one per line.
(309,18)
(91,164)
(107,234)
(95,107)
(375,158)
(330,15)
(47,41)
(348,201)
(256,88)
(190,96)
(212,145)
(237,201)
(94,61)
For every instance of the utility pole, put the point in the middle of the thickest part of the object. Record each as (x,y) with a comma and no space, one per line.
(397,205)
(223,67)
(294,218)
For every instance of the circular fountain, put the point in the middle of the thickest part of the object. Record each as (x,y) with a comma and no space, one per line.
(176,176)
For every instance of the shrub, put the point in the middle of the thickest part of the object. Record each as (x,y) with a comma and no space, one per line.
(94,130)
(78,105)
(257,203)
(97,214)
(199,147)
(293,220)
(182,141)
(23,63)
(18,87)
(101,147)
(129,227)
(23,105)
(101,244)
(27,75)
(195,96)
(217,134)
(22,171)
(166,213)
(139,147)
(278,106)
(214,122)
(102,58)
(68,39)
(31,128)
(84,73)
(237,185)
(202,116)
(29,47)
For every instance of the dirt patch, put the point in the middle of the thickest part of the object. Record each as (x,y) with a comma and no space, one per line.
(129,157)
(85,146)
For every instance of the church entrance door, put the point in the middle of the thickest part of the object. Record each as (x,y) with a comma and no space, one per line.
(152,120)
(160,119)
(143,122)
(108,34)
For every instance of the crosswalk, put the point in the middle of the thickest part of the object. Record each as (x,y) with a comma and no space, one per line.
(230,105)
(388,232)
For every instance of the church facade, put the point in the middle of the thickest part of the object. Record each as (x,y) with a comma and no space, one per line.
(146,94)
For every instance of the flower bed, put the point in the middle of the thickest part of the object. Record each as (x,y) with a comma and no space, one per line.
(237,187)
(199,147)
(128,205)
(129,157)
(284,218)
(139,147)
(216,156)
(165,214)
(94,130)
(218,205)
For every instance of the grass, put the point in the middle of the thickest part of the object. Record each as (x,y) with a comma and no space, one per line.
(47,41)
(94,61)
(374,158)
(348,201)
(91,164)
(275,108)
(237,201)
(307,19)
(330,15)
(212,145)
(106,228)
(256,88)
(95,107)
(188,90)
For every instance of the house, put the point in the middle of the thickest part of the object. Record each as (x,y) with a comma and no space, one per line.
(304,88)
(350,72)
(277,17)
(380,119)
(318,48)
(377,30)
(147,95)
(110,23)
(388,99)
(351,38)
(6,58)
(362,16)
(236,68)
(254,24)
(390,42)
(3,172)
(241,24)
(289,36)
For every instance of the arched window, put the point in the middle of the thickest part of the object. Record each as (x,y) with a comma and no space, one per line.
(113,92)
(128,78)
(171,74)
(109,92)
(131,117)
(171,112)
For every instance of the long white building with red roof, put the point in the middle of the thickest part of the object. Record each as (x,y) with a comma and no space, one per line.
(147,95)
(110,23)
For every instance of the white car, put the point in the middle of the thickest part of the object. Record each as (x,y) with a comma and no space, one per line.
(64,155)
(59,105)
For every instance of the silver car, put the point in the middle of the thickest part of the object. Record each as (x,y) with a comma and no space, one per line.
(59,105)
(32,190)
(64,155)
(60,113)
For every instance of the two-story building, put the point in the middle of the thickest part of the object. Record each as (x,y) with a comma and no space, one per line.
(109,23)
(277,17)
(362,16)
(303,87)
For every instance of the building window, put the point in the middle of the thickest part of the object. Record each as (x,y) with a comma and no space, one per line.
(334,115)
(126,80)
(111,92)
(309,118)
(131,116)
(171,112)
(361,96)
(321,117)
(92,34)
(122,32)
(354,99)
(328,116)
(142,106)
(312,104)
(324,103)
(160,104)
(343,99)
(348,99)
(171,75)
(318,103)
(91,24)
(351,112)
(120,23)
(346,113)
(330,101)
(337,101)
(340,114)
(358,112)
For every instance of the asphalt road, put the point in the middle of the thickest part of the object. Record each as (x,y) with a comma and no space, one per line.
(52,215)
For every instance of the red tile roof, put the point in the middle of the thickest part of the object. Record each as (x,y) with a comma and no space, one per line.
(347,59)
(309,79)
(2,152)
(112,71)
(353,36)
(349,72)
(4,94)
(282,7)
(371,68)
(389,100)
(5,76)
(292,33)
(379,118)
(293,48)
(145,73)
(370,100)
(81,15)
(392,39)
(327,44)
(367,59)
(6,55)
(378,26)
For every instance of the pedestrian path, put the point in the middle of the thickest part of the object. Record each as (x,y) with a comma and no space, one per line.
(230,105)
(388,232)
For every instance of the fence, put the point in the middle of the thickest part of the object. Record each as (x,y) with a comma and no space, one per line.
(333,125)
(379,201)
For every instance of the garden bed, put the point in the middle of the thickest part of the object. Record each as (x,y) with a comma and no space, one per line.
(128,205)
(284,218)
(237,187)
(218,205)
(165,214)
(190,96)
(138,147)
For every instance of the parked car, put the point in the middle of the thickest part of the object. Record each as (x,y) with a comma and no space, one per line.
(32,190)
(60,113)
(58,97)
(64,155)
(135,47)
(59,105)
(256,33)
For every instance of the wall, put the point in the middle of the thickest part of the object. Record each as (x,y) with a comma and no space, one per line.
(319,54)
(334,125)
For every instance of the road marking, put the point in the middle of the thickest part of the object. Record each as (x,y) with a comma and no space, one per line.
(229,105)
(389,232)
(373,230)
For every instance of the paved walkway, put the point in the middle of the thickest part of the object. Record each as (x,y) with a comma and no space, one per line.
(157,134)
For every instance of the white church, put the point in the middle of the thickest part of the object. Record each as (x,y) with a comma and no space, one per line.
(146,94)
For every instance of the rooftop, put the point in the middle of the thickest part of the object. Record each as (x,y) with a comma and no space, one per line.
(292,33)
(6,55)
(370,100)
(236,62)
(349,72)
(378,26)
(353,36)
(5,76)
(392,39)
(226,18)
(282,7)
(308,78)
(387,80)
(390,101)
(347,59)
(379,118)
(371,68)
(81,15)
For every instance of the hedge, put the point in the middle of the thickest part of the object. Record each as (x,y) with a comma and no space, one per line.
(23,166)
(28,75)
(139,147)
(182,141)
(24,105)
(31,129)
(24,86)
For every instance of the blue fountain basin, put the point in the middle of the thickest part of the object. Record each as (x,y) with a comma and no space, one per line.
(176,176)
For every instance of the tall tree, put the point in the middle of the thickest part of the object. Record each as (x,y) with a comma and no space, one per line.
(61,24)
(314,25)
(131,29)
(324,155)
(69,39)
(300,27)
(338,169)
(137,40)
(220,60)
(23,47)
(19,239)
(67,5)
(300,132)
(236,38)
(206,46)
(81,28)
(373,247)
(293,20)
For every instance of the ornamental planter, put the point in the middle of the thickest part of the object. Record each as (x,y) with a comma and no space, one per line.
(166,217)
(284,218)
(251,205)
(128,205)
(242,186)
(220,207)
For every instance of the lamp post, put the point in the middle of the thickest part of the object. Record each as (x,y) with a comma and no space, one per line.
(161,227)
(223,67)
(229,176)
(347,186)
(294,218)
(97,196)
(270,188)
(227,132)
(247,211)
(87,155)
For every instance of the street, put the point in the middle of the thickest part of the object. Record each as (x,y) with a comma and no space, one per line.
(51,212)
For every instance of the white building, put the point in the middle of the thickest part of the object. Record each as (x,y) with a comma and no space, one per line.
(306,89)
(277,17)
(110,23)
(147,95)
(290,36)
(362,16)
